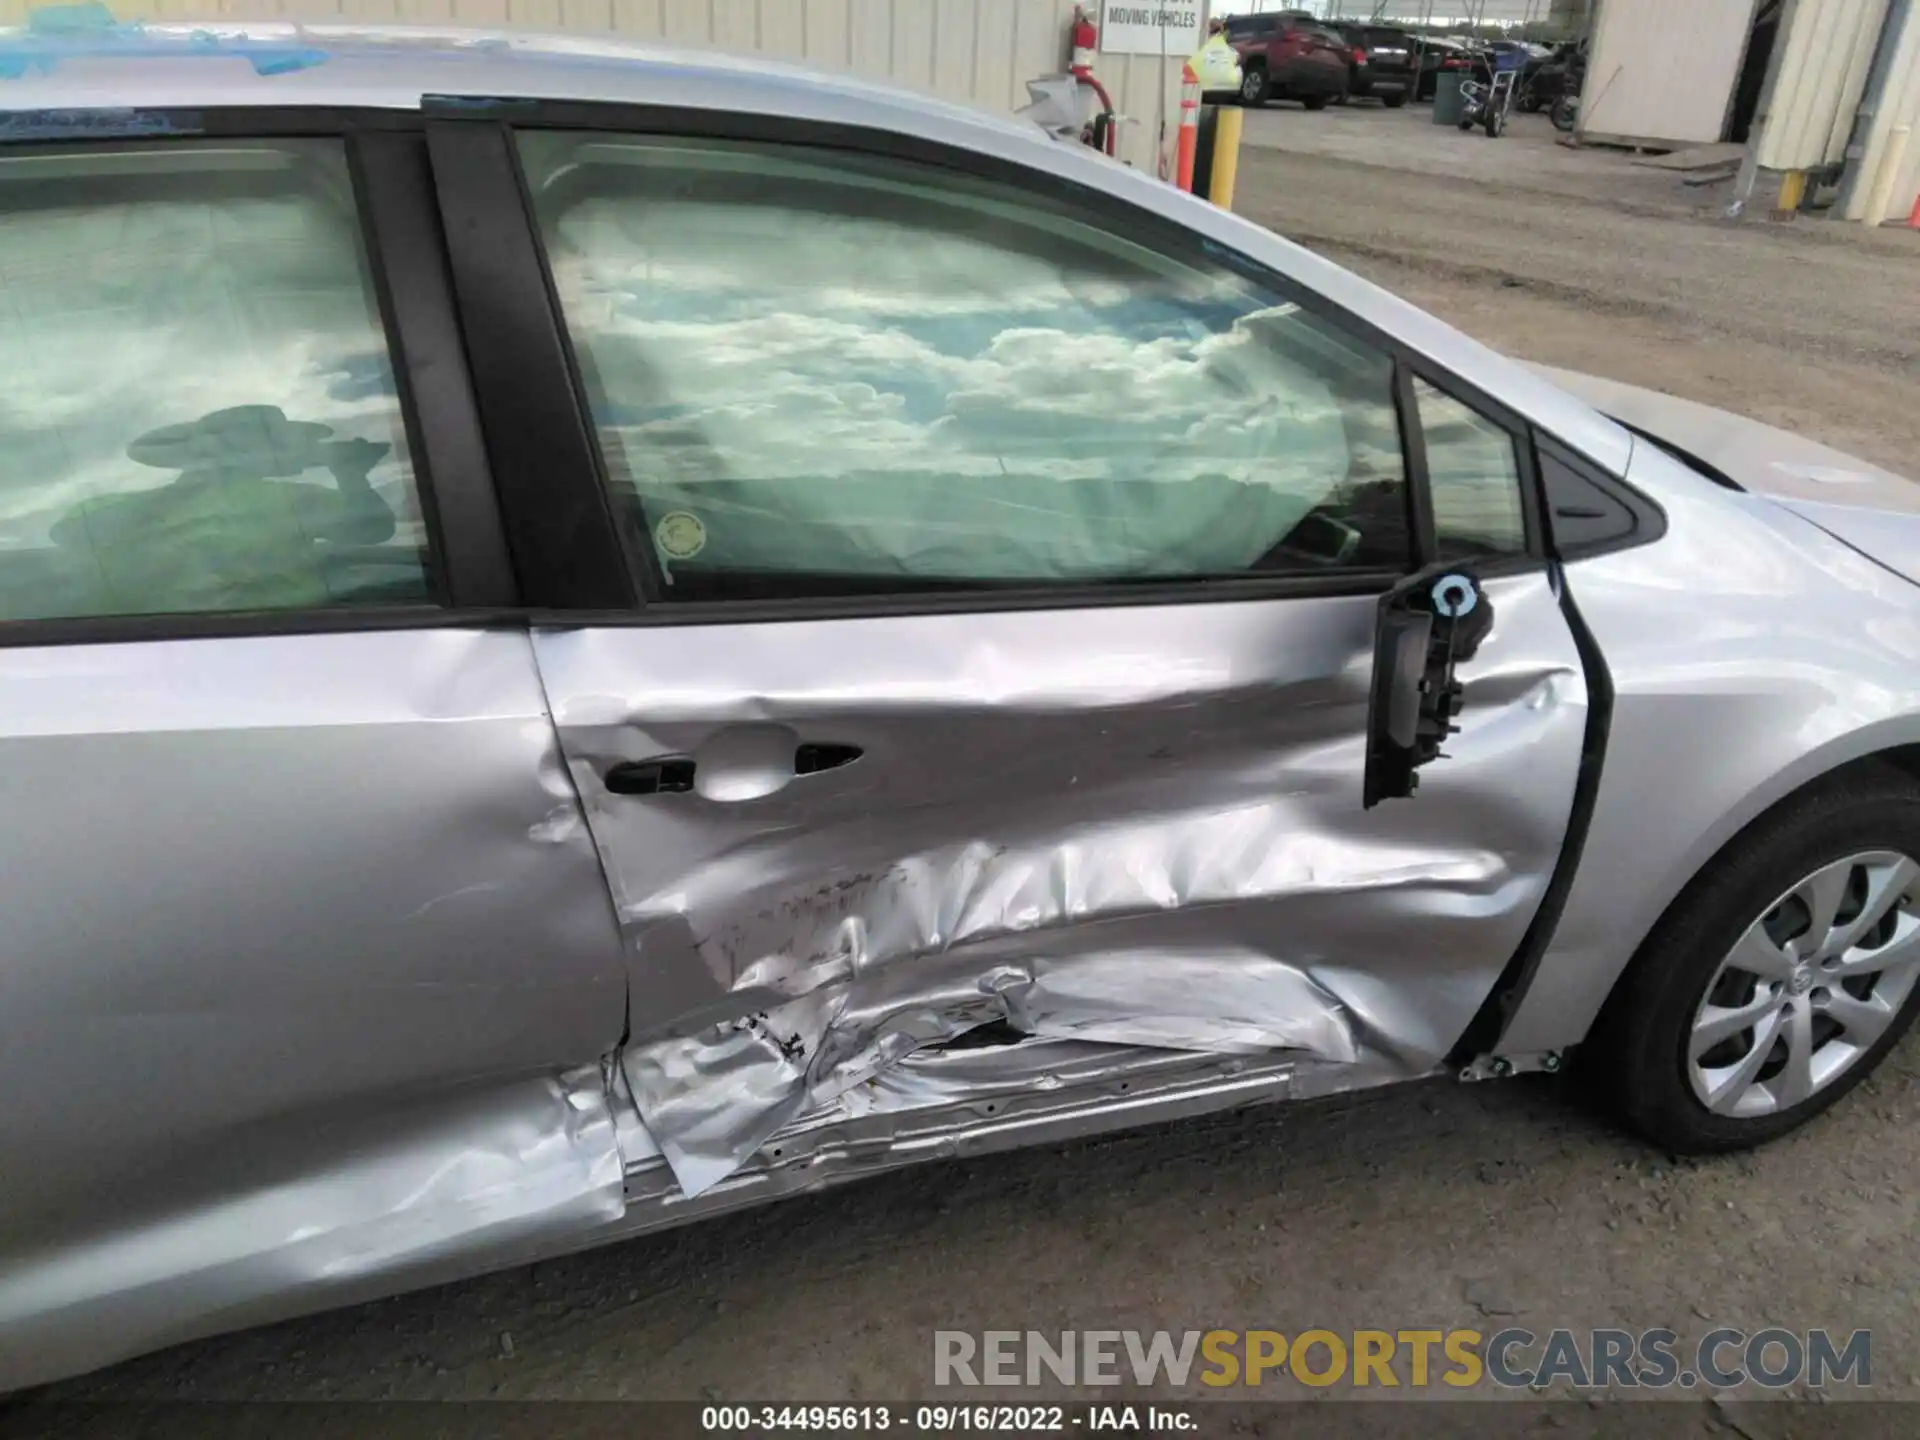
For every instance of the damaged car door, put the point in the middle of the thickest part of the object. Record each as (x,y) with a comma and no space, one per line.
(1011,572)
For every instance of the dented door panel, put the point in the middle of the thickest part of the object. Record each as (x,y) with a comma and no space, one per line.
(1136,826)
(309,971)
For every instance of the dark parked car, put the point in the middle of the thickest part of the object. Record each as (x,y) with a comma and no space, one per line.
(1380,62)
(1438,56)
(1289,56)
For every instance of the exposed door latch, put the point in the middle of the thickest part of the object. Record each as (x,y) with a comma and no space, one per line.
(1427,625)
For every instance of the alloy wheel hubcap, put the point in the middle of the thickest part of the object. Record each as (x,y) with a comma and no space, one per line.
(1809,987)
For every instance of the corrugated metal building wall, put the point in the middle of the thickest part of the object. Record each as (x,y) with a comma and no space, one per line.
(975,51)
(1821,74)
(1664,73)
(1889,179)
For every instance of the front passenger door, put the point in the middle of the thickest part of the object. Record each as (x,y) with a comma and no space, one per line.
(1009,579)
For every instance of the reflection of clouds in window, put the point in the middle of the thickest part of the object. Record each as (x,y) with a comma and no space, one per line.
(943,383)
(131,305)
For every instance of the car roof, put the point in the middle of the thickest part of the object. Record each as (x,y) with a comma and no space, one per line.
(183,66)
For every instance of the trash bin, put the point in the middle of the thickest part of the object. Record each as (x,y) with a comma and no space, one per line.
(1448,103)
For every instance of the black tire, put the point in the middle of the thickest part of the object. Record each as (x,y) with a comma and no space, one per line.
(1466,122)
(1394,102)
(1566,113)
(1635,1062)
(1318,102)
(1495,122)
(1254,87)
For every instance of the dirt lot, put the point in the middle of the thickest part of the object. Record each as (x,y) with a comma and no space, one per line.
(1442,1205)
(1590,263)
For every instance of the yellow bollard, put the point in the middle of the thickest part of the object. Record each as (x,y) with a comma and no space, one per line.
(1793,189)
(1226,155)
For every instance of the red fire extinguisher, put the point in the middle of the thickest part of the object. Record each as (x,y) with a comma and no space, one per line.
(1086,39)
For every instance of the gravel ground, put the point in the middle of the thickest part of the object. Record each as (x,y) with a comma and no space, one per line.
(1811,326)
(1437,1205)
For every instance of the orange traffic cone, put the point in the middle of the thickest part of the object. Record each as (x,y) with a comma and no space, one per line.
(1189,139)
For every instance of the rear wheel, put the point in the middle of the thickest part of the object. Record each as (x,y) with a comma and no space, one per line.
(1566,110)
(1779,979)
(1253,87)
(1394,102)
(1318,102)
(1494,122)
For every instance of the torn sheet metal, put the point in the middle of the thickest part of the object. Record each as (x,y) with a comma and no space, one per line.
(714,1098)
(1141,828)
(1001,1094)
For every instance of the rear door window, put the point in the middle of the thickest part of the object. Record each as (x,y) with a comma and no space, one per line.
(199,413)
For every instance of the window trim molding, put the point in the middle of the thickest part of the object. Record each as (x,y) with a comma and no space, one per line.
(400,223)
(414,315)
(549,477)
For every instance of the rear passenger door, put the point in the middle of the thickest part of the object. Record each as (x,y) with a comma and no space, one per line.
(300,923)
(972,588)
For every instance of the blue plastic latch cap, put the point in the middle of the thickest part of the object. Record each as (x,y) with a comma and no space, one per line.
(1454,596)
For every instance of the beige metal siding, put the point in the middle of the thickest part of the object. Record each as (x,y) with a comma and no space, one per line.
(1823,63)
(1664,72)
(1899,109)
(981,52)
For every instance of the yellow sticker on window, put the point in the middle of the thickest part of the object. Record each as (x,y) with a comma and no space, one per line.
(680,535)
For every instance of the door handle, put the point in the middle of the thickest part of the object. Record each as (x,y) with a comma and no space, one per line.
(727,777)
(651,777)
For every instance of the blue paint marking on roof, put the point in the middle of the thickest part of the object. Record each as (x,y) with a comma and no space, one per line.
(17,125)
(54,33)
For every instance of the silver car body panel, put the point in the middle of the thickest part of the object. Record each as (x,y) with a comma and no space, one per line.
(1750,653)
(1763,458)
(1136,828)
(300,932)
(1869,507)
(342,1009)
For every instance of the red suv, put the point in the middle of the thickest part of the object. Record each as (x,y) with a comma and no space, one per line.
(1288,55)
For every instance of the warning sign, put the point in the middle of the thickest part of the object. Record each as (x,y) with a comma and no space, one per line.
(1142,27)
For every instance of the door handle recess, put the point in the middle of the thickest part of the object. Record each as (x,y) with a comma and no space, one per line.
(678,777)
(651,777)
(812,759)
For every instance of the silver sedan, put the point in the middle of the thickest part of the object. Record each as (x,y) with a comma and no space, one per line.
(589,638)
